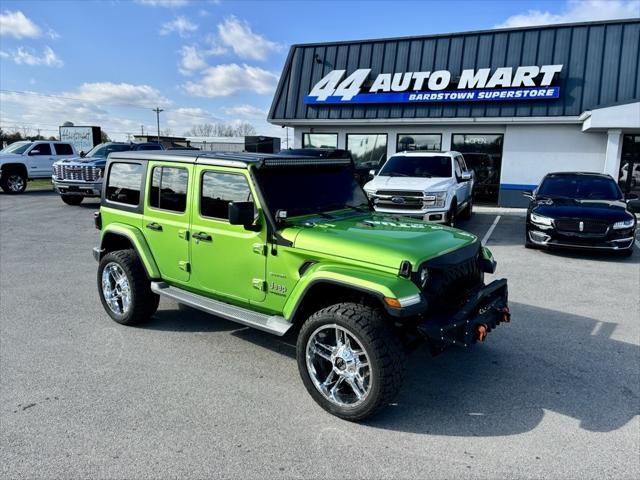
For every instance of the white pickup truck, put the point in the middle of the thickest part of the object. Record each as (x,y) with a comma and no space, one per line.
(433,186)
(23,161)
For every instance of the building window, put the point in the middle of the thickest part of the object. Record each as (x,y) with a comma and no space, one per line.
(219,190)
(482,154)
(368,150)
(123,185)
(319,140)
(418,141)
(169,189)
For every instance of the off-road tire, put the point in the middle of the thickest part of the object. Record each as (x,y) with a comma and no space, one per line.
(387,356)
(72,199)
(144,302)
(5,180)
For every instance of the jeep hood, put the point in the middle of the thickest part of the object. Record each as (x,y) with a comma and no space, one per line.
(422,184)
(378,239)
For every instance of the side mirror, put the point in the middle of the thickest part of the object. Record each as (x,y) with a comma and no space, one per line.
(465,177)
(83,154)
(35,151)
(528,194)
(372,173)
(242,213)
(633,206)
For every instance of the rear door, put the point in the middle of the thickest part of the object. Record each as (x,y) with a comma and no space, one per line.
(228,260)
(166,218)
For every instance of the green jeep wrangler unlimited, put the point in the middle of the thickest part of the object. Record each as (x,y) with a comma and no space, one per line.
(285,243)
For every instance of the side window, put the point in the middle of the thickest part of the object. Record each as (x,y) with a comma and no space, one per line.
(218,190)
(169,189)
(63,149)
(124,183)
(43,149)
(457,167)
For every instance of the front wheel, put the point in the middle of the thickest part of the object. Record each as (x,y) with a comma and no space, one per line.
(468,210)
(125,290)
(13,182)
(72,199)
(451,216)
(350,360)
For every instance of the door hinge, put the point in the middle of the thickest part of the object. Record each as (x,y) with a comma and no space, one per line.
(186,266)
(259,284)
(260,248)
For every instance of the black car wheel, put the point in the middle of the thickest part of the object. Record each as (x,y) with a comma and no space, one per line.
(451,216)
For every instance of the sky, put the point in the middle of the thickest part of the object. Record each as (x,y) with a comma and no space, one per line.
(110,62)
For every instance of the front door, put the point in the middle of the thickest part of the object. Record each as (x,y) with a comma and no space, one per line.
(227,260)
(41,160)
(166,218)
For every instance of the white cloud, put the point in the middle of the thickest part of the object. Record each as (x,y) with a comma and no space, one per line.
(27,56)
(181,25)
(576,11)
(4,54)
(181,119)
(163,3)
(126,94)
(245,111)
(17,25)
(238,36)
(191,60)
(227,79)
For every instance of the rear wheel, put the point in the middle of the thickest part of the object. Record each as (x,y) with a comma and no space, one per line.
(72,199)
(350,360)
(13,182)
(125,290)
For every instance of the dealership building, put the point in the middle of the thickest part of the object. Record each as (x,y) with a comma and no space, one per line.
(518,103)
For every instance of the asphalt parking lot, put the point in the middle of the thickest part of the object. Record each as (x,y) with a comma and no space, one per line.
(553,394)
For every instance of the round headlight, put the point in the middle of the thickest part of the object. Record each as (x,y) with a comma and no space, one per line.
(423,277)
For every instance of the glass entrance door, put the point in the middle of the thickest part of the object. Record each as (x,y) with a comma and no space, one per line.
(629,176)
(482,154)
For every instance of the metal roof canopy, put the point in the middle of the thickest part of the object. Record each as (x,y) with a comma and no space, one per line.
(601,67)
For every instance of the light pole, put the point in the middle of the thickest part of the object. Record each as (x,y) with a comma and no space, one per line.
(158,110)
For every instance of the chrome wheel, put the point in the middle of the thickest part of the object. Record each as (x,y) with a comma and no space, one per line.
(116,289)
(15,183)
(338,365)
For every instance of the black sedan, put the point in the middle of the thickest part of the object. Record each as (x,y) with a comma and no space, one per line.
(581,210)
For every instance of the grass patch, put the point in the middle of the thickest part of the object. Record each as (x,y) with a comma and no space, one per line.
(40,184)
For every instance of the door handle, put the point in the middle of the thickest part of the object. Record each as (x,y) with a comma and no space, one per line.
(202,236)
(154,226)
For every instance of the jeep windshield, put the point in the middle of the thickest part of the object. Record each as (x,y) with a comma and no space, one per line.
(311,189)
(17,147)
(416,166)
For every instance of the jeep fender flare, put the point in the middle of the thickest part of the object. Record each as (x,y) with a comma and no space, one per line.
(137,241)
(376,284)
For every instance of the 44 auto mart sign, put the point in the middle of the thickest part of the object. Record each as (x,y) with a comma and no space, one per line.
(504,83)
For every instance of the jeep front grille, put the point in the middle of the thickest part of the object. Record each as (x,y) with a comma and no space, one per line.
(83,173)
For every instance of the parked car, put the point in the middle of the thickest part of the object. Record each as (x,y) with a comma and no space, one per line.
(26,160)
(77,178)
(581,210)
(434,186)
(289,243)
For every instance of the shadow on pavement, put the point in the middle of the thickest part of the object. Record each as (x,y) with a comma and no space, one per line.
(543,360)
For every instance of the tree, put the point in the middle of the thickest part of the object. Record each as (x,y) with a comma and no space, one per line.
(221,129)
(104,137)
(9,137)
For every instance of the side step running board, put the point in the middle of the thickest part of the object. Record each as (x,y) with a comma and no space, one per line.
(268,323)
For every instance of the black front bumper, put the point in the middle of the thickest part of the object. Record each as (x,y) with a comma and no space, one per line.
(484,310)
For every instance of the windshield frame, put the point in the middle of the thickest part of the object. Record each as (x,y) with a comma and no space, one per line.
(401,157)
(581,181)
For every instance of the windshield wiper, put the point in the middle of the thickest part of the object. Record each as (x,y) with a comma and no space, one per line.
(395,174)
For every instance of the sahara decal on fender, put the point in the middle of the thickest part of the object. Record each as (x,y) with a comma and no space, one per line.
(520,83)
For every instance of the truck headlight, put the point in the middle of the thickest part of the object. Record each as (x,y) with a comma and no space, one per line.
(623,224)
(434,199)
(541,220)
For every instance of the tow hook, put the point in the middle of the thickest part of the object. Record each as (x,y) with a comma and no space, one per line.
(481,332)
(506,314)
